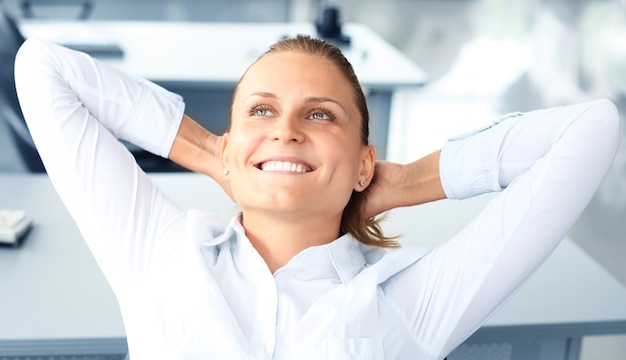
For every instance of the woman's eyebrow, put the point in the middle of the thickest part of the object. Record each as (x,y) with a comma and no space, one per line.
(263,94)
(310,99)
(320,99)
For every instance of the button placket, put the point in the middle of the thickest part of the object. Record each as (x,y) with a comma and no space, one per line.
(270,311)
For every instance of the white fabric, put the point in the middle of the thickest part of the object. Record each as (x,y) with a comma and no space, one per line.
(192,288)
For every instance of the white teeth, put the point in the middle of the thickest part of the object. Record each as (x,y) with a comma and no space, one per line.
(284,166)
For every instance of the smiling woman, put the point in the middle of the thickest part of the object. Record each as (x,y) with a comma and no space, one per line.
(303,271)
(317,119)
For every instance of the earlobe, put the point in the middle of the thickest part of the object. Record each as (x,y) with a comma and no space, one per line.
(366,171)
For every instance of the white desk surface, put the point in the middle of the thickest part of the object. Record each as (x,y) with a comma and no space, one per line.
(52,288)
(218,53)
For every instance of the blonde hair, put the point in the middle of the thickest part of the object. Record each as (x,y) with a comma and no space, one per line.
(365,230)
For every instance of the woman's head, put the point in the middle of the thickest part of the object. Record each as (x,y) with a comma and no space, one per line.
(298,140)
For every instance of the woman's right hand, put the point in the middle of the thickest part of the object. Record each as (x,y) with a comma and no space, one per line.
(198,150)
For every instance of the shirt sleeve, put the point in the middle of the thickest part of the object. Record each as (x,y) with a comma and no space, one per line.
(76,108)
(548,164)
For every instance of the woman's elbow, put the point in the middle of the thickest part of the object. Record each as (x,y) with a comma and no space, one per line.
(608,124)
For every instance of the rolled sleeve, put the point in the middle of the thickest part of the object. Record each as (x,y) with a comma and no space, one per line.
(469,163)
(156,121)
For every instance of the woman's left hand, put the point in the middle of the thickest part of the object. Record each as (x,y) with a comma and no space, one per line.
(380,193)
(396,185)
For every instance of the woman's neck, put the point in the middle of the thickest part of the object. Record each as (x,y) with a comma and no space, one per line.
(278,238)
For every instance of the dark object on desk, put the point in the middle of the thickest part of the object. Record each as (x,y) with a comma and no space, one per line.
(14,226)
(329,27)
(10,41)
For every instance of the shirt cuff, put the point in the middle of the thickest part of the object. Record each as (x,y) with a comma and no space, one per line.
(156,119)
(469,164)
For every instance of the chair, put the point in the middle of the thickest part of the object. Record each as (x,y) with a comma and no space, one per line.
(10,41)
(10,111)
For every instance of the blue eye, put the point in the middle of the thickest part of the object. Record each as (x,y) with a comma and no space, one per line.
(321,114)
(261,111)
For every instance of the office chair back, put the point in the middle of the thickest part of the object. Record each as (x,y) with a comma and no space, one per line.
(10,41)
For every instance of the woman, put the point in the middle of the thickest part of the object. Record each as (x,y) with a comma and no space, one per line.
(303,271)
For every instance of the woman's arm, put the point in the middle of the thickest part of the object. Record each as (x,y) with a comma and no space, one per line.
(75,107)
(198,150)
(548,164)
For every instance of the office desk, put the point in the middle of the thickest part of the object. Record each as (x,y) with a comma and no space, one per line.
(204,61)
(56,302)
(54,299)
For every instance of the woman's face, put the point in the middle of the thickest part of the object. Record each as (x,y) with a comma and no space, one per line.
(294,145)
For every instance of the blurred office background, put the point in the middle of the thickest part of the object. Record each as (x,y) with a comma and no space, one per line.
(482,57)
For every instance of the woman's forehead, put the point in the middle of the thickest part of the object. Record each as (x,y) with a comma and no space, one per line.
(290,71)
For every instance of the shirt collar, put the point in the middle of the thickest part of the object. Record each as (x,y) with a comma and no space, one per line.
(343,258)
(346,254)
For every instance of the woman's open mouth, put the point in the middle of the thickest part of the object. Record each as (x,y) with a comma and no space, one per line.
(284,166)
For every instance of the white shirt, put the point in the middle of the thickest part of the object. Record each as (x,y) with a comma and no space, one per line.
(190,287)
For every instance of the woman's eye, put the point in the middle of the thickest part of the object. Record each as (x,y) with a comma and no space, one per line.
(321,115)
(261,111)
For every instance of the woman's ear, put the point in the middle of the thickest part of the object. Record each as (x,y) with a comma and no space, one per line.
(224,151)
(366,169)
(223,179)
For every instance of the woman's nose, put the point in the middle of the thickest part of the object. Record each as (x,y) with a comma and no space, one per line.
(287,128)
